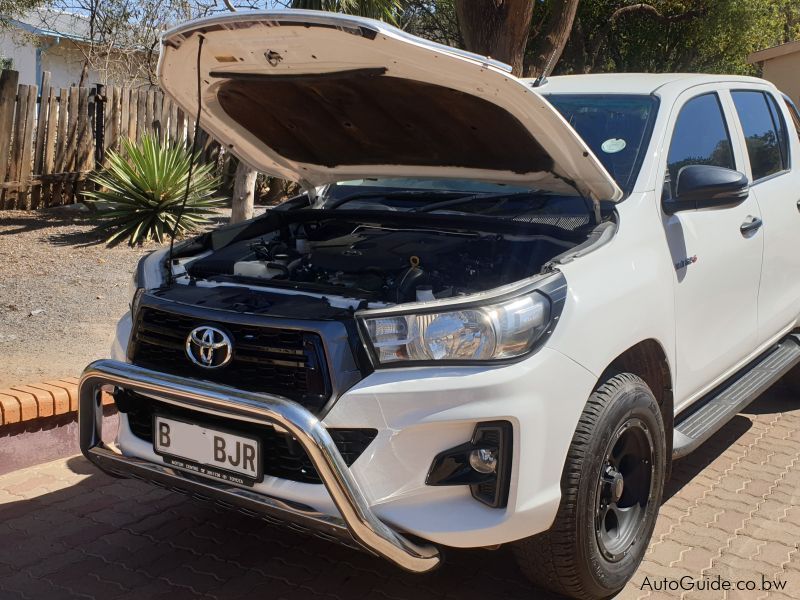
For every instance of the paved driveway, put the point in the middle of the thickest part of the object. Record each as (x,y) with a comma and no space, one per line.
(67,531)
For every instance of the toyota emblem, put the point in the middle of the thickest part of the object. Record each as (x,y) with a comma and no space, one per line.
(209,347)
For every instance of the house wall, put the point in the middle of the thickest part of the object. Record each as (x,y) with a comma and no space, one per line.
(65,62)
(20,49)
(784,72)
(33,54)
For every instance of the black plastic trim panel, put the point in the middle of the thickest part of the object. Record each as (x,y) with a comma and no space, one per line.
(331,340)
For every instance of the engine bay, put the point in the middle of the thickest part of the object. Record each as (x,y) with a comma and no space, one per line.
(388,263)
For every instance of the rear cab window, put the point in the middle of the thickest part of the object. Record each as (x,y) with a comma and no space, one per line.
(700,137)
(765,132)
(794,114)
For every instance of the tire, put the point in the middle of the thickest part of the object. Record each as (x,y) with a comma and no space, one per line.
(574,558)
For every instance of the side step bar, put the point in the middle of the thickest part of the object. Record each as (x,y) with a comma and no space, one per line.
(698,424)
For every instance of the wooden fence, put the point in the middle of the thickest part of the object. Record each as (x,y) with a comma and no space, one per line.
(51,141)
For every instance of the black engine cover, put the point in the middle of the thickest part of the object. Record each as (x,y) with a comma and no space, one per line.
(387,251)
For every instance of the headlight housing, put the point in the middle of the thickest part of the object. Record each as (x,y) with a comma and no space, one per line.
(149,274)
(495,330)
(133,286)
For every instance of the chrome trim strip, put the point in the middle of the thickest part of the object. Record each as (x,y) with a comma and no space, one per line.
(357,517)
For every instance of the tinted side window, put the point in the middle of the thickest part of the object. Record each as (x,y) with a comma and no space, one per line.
(700,137)
(764,132)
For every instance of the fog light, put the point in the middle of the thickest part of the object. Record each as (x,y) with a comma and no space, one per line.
(483,460)
(483,463)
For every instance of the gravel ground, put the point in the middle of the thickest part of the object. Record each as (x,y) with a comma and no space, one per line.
(61,293)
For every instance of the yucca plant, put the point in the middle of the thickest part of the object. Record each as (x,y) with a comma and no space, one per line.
(141,190)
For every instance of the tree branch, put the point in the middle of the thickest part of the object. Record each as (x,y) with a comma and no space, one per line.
(642,8)
(653,12)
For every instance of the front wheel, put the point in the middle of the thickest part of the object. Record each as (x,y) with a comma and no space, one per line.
(610,495)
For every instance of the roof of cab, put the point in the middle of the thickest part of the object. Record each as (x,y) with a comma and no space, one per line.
(632,83)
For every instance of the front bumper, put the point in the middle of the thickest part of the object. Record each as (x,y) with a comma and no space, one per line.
(357,522)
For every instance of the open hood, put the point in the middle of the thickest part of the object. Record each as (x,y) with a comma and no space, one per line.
(319,97)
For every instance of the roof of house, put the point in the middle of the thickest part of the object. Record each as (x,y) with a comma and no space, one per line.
(53,23)
(774,52)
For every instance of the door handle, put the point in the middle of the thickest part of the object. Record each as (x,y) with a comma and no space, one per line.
(798,205)
(751,224)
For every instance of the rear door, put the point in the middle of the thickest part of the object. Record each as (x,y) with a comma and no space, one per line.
(717,267)
(772,150)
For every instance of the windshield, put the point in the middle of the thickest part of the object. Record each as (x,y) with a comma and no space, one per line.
(617,128)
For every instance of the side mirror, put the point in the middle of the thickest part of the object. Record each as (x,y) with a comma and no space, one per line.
(705,186)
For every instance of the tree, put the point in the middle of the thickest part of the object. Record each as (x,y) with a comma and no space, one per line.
(13,8)
(673,35)
(434,20)
(119,40)
(496,28)
(529,36)
(244,191)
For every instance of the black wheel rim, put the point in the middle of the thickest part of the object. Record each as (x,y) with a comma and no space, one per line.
(624,489)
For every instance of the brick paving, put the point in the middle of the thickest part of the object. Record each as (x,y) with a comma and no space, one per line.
(732,510)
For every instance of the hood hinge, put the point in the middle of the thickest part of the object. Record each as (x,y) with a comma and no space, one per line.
(596,206)
(310,190)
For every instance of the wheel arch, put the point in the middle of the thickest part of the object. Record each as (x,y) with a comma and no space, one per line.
(648,360)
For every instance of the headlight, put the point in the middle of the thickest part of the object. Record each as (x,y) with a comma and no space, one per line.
(494,331)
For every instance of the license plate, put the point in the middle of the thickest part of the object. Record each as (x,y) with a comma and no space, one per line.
(207,451)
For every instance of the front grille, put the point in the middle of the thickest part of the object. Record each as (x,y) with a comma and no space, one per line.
(282,455)
(287,362)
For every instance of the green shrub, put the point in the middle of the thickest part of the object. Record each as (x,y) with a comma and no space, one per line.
(140,192)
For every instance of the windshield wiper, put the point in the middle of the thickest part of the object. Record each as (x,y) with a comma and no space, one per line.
(472,197)
(402,194)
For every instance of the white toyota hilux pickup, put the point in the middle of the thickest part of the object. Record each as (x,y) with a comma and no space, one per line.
(499,311)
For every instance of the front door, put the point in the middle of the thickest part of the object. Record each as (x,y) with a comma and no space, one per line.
(717,264)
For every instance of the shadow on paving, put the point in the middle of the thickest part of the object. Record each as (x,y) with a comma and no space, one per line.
(775,401)
(122,539)
(113,538)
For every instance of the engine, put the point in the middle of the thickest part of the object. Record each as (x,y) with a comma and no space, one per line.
(379,263)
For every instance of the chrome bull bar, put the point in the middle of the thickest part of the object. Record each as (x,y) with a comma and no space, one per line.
(358,522)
